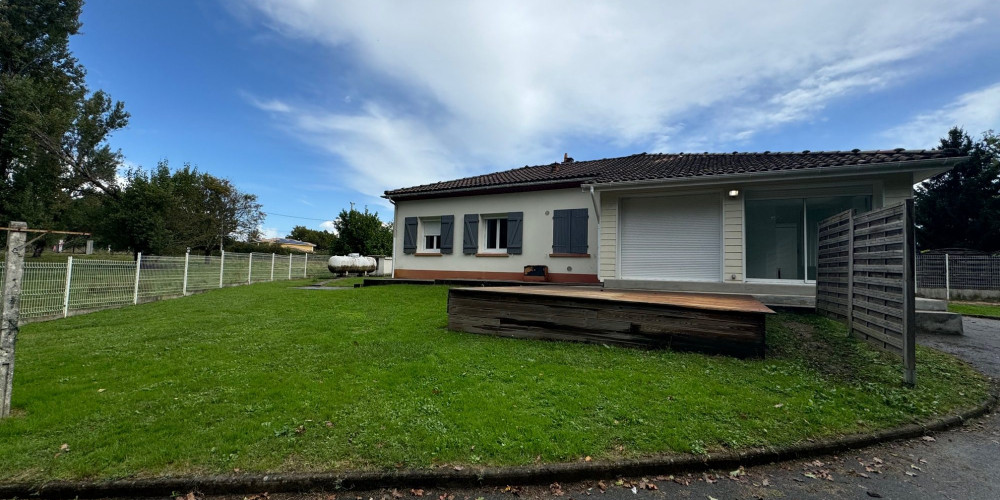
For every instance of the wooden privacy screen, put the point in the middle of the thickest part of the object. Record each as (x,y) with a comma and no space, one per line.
(865,278)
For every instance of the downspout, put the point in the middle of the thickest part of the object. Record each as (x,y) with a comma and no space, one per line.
(597,212)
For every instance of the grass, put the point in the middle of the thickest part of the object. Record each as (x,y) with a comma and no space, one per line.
(271,378)
(975,308)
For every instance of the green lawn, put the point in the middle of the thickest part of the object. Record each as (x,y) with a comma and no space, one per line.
(271,378)
(976,308)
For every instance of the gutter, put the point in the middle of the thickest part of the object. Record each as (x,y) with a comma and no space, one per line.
(823,172)
(493,187)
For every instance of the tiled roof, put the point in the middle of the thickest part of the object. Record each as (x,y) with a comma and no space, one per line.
(670,166)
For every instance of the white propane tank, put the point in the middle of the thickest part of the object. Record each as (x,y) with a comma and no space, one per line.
(353,263)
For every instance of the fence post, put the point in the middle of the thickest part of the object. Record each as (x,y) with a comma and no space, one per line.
(290,266)
(69,279)
(850,274)
(11,307)
(272,266)
(222,266)
(305,266)
(138,266)
(250,269)
(187,259)
(909,287)
(947,278)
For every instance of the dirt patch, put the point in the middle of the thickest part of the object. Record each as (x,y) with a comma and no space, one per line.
(818,352)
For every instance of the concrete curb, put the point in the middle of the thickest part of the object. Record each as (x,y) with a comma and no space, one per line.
(980,316)
(474,477)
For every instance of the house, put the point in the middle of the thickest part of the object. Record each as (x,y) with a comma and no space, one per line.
(296,245)
(740,222)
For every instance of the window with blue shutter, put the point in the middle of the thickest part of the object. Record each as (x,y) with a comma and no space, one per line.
(569,231)
(470,234)
(410,235)
(447,233)
(515,222)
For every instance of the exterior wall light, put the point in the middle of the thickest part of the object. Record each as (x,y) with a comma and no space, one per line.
(733,193)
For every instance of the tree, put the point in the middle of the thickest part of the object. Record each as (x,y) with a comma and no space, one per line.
(322,239)
(137,218)
(166,212)
(961,207)
(53,132)
(361,232)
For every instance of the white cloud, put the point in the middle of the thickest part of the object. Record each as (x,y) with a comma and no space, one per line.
(270,232)
(272,105)
(497,85)
(328,226)
(976,112)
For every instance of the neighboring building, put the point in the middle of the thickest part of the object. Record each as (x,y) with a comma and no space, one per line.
(296,245)
(741,222)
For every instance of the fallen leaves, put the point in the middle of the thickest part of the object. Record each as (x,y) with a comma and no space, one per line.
(556,489)
(816,470)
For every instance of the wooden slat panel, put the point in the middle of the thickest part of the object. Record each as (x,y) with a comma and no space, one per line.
(881,336)
(560,314)
(882,228)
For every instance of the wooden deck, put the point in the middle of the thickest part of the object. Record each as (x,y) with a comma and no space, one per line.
(705,322)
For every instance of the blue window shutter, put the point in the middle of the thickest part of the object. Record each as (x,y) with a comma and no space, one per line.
(447,233)
(470,234)
(578,231)
(561,231)
(410,235)
(514,223)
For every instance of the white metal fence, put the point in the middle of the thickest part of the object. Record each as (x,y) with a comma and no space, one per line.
(59,289)
(959,276)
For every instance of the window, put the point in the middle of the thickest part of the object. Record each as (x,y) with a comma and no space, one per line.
(569,231)
(496,234)
(782,234)
(432,234)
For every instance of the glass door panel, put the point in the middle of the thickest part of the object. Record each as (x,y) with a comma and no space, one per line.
(775,240)
(818,209)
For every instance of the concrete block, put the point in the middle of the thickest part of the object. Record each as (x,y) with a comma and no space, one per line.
(931,305)
(939,323)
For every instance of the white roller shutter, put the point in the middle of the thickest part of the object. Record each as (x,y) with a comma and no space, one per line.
(675,238)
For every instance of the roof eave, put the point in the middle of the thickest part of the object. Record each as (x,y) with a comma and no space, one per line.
(443,193)
(933,166)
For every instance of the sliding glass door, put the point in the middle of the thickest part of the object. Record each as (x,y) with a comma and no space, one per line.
(782,234)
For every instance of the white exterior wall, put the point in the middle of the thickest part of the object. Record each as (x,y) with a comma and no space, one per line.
(897,188)
(609,235)
(885,190)
(537,207)
(732,238)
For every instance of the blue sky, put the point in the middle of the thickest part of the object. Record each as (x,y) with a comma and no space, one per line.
(312,105)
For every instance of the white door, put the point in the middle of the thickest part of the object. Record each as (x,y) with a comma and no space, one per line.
(673,238)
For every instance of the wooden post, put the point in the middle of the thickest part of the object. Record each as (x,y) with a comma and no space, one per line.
(290,266)
(250,269)
(305,267)
(69,280)
(222,266)
(272,266)
(909,302)
(850,273)
(11,311)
